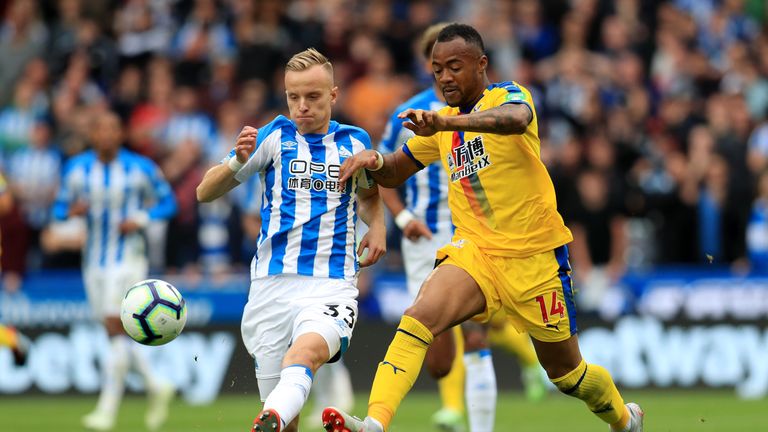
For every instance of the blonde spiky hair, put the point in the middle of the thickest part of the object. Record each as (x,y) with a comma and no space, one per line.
(308,58)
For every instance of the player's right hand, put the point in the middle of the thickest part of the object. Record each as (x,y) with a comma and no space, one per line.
(366,159)
(246,143)
(416,229)
(422,122)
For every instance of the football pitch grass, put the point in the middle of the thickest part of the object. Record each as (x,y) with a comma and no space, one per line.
(666,411)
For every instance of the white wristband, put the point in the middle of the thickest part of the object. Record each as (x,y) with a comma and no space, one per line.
(141,218)
(379,161)
(234,164)
(404,218)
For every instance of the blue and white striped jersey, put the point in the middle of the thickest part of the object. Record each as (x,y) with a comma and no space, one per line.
(15,128)
(37,172)
(129,187)
(426,192)
(307,223)
(249,196)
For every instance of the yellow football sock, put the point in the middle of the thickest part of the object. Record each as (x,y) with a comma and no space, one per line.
(397,373)
(7,337)
(593,384)
(515,342)
(451,386)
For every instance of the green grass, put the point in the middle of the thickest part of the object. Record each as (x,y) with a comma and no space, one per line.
(666,411)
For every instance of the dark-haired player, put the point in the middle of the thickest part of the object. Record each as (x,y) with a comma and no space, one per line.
(508,251)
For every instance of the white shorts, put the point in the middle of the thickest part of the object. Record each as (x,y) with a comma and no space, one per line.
(281,308)
(419,258)
(106,287)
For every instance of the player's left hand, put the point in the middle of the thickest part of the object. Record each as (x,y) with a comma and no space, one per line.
(354,163)
(129,226)
(422,122)
(375,240)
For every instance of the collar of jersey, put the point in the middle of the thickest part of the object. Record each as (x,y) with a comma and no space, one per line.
(468,108)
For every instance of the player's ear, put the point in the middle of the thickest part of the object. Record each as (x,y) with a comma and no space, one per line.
(483,63)
(334,94)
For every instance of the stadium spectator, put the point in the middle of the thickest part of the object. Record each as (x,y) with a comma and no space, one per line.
(33,177)
(202,39)
(16,120)
(22,37)
(757,229)
(143,29)
(371,98)
(183,140)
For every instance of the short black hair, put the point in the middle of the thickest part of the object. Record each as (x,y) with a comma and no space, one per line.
(464,31)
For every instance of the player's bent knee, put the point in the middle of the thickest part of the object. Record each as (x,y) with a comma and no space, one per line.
(429,320)
(315,343)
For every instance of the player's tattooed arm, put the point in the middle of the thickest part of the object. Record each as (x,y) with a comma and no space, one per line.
(506,119)
(396,167)
(396,170)
(509,119)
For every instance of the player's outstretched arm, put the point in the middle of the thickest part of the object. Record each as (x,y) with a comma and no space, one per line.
(371,211)
(221,178)
(390,170)
(509,119)
(216,182)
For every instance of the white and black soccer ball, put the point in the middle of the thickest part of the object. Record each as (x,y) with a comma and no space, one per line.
(153,312)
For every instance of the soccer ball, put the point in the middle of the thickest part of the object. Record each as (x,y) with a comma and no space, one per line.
(153,312)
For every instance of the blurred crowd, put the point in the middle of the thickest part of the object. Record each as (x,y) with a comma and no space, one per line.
(653,114)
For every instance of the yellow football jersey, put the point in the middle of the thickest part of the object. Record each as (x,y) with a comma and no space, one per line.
(500,194)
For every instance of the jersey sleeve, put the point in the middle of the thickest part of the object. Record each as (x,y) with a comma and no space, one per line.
(513,93)
(251,199)
(360,140)
(422,150)
(267,148)
(164,206)
(69,189)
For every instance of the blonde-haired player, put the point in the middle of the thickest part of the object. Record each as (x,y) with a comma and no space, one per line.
(302,305)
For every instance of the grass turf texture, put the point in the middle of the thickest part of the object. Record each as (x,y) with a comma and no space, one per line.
(667,411)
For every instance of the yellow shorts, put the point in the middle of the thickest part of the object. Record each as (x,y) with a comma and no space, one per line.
(536,292)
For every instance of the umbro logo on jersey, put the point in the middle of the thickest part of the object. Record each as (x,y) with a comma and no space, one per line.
(344,152)
(289,145)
